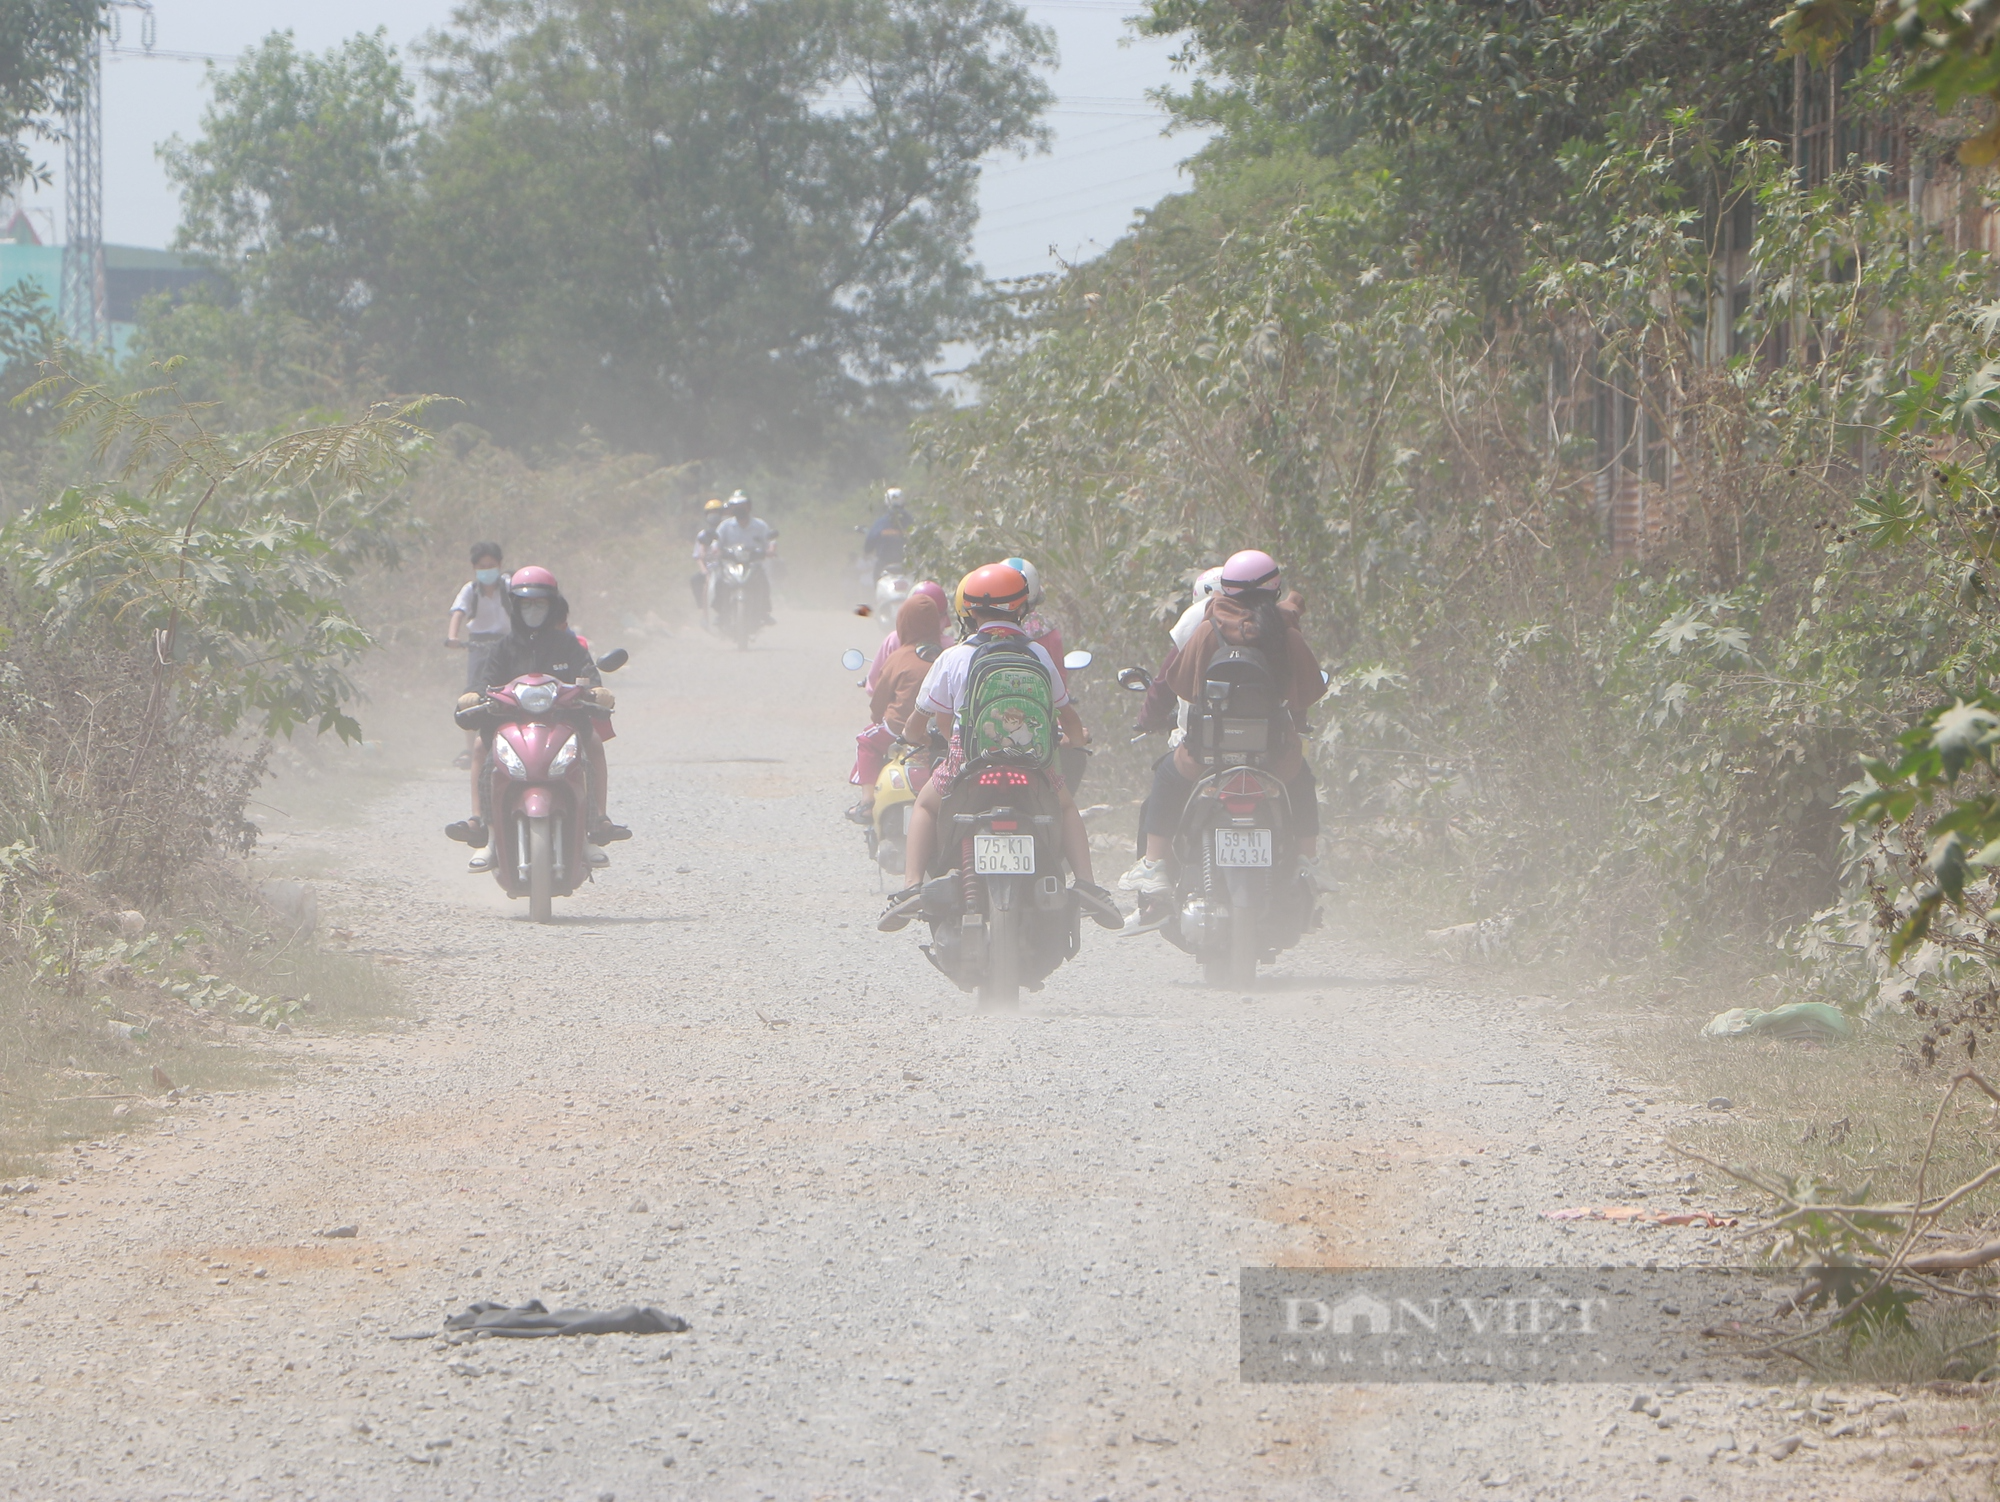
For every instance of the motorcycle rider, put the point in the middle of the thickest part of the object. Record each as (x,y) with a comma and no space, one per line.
(481,612)
(995,600)
(892,705)
(1248,608)
(740,527)
(1048,636)
(704,551)
(1160,710)
(542,642)
(893,640)
(888,536)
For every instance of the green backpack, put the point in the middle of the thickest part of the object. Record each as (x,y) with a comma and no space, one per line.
(1009,709)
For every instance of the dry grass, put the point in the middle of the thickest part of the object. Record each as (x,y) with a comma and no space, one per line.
(1850,1115)
(66,1074)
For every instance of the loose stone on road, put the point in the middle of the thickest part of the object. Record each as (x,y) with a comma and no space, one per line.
(925,1252)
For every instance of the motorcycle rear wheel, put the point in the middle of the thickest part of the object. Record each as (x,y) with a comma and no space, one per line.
(1002,984)
(1234,968)
(541,871)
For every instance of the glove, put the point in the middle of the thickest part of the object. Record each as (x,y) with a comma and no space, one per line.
(470,701)
(603,699)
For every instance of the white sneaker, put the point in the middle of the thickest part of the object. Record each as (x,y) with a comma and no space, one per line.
(594,855)
(1147,879)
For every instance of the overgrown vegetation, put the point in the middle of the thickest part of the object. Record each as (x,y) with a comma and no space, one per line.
(161,619)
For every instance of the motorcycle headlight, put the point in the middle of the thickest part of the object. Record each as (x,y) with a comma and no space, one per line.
(509,758)
(536,698)
(565,758)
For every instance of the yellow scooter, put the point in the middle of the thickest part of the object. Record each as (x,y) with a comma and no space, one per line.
(888,833)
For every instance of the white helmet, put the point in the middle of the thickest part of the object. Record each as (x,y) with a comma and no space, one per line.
(893,498)
(1206,583)
(1034,578)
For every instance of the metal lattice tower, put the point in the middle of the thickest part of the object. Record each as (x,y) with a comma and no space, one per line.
(85,304)
(83,298)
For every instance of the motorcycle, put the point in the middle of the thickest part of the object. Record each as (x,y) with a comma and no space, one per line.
(1239,896)
(537,795)
(1002,915)
(905,769)
(731,610)
(892,588)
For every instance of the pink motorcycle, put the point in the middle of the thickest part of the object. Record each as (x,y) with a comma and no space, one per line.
(537,785)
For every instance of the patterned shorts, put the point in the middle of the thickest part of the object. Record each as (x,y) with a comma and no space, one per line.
(480,654)
(954,763)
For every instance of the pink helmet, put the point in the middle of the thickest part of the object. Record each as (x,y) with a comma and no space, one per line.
(532,583)
(935,591)
(1250,573)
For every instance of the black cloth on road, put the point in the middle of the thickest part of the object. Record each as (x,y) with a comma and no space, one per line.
(532,1319)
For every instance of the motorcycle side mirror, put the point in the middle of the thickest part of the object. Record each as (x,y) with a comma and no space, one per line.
(1325,678)
(853,660)
(613,660)
(1077,660)
(1136,679)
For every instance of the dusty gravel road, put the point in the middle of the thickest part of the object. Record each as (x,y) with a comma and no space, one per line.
(926,1252)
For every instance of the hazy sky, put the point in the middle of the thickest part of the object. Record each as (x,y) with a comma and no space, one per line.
(1109,156)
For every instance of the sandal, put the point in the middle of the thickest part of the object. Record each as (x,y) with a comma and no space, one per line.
(604,832)
(1097,902)
(468,832)
(903,906)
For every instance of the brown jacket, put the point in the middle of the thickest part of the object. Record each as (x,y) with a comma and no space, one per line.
(1300,681)
(895,696)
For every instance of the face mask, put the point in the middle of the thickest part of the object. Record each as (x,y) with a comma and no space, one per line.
(487,576)
(535,613)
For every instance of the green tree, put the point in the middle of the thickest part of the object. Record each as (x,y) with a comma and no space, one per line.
(300,181)
(1471,105)
(699,229)
(43,44)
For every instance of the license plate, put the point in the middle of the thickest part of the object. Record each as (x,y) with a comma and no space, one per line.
(1005,855)
(1243,847)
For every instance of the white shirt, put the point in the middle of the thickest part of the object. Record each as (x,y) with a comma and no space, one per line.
(1182,634)
(1191,617)
(485,614)
(756,531)
(944,685)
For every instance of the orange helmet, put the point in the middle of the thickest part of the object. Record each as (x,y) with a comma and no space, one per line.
(997,587)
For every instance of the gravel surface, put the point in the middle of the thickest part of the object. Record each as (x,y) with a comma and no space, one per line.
(926,1252)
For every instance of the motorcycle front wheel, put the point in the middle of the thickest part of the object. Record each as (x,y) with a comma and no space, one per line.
(541,871)
(1002,984)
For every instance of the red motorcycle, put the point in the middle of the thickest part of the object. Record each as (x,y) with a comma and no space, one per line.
(537,785)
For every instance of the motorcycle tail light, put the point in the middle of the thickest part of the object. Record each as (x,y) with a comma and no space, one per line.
(1005,826)
(1242,806)
(1003,777)
(508,757)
